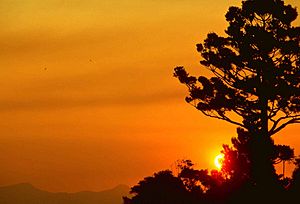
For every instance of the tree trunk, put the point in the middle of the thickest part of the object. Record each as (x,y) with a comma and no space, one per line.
(283,168)
(262,146)
(263,169)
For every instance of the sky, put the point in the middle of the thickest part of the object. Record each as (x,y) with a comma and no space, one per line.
(88,98)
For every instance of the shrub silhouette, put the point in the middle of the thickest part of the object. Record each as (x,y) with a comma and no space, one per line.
(161,188)
(234,183)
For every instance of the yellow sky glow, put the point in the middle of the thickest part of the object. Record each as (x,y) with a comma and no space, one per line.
(88,100)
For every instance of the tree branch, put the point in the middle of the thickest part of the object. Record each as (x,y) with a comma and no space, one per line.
(224,118)
(274,130)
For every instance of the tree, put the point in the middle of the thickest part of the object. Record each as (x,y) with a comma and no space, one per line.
(294,186)
(160,188)
(236,163)
(199,182)
(256,75)
(283,154)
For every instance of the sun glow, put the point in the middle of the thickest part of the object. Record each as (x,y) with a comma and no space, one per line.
(219,161)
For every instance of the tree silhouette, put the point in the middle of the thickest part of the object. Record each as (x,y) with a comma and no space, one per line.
(161,188)
(283,154)
(256,76)
(294,185)
(256,86)
(236,163)
(201,181)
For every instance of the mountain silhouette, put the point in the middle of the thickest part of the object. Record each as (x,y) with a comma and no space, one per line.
(27,194)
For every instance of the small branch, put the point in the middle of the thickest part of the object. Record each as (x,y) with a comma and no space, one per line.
(275,130)
(223,118)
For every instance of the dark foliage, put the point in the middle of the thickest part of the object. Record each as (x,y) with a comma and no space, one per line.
(161,188)
(234,183)
(256,68)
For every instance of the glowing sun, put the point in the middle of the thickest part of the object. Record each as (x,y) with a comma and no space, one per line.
(219,161)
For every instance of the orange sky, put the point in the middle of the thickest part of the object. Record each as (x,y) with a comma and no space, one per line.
(88,100)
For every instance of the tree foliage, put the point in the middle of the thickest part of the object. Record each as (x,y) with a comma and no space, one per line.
(234,183)
(256,68)
(160,188)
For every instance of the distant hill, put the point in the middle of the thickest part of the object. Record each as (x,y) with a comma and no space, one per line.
(27,194)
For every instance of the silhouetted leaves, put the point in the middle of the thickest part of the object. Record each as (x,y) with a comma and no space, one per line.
(161,188)
(256,68)
(234,183)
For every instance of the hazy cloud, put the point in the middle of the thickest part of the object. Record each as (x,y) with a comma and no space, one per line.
(100,101)
(123,87)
